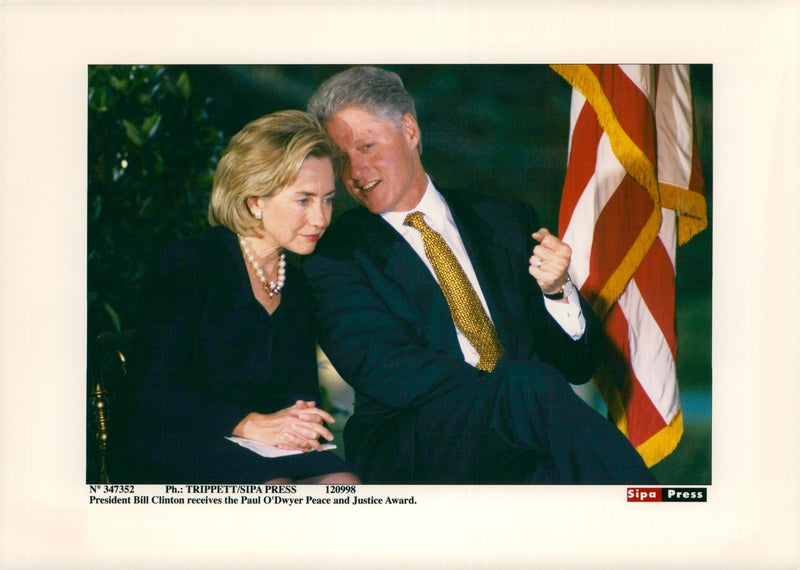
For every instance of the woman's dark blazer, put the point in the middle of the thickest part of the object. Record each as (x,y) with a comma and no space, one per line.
(208,354)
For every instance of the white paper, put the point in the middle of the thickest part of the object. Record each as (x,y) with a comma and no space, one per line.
(265,450)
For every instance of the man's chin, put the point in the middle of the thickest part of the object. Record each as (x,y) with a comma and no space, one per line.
(372,206)
(365,199)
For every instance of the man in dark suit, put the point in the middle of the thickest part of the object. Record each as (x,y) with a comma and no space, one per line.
(452,316)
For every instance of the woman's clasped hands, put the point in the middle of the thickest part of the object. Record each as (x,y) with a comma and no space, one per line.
(297,427)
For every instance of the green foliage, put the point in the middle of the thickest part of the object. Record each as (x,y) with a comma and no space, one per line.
(151,158)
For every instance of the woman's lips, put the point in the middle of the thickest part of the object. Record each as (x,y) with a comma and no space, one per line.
(311,237)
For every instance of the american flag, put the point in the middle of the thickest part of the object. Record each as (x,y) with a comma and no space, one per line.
(633,191)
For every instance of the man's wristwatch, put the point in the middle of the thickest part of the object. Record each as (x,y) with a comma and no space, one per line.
(566,290)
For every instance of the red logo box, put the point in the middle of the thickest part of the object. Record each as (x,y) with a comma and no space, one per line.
(667,494)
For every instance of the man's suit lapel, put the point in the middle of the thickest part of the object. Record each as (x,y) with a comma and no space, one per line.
(412,281)
(489,257)
(490,260)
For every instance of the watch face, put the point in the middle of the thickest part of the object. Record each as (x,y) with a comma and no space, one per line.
(567,288)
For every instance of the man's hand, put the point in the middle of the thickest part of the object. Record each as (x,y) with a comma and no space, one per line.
(549,262)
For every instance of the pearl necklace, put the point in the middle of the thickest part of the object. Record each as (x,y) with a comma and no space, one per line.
(272,288)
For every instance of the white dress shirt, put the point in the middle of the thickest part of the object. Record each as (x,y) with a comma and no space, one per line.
(440,219)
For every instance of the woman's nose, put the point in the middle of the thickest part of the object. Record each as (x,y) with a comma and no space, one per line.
(320,216)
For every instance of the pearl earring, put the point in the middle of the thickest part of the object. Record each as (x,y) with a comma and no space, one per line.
(258,214)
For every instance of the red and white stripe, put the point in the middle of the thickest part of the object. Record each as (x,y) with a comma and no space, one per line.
(633,184)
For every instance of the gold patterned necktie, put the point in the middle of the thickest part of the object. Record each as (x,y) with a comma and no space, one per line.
(465,306)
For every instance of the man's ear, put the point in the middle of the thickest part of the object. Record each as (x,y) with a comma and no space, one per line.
(410,130)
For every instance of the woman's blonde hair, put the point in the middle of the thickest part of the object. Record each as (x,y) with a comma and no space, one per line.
(265,156)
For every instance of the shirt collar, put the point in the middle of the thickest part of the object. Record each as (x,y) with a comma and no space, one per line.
(432,205)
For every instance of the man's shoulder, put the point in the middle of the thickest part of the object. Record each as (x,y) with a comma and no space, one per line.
(480,200)
(492,209)
(352,218)
(352,229)
(344,227)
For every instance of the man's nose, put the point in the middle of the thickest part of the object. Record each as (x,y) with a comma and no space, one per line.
(357,169)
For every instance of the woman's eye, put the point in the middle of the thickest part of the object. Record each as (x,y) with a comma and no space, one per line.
(302,201)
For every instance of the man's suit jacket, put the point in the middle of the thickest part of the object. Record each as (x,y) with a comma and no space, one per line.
(386,327)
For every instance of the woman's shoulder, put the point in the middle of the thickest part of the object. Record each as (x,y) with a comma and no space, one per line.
(200,249)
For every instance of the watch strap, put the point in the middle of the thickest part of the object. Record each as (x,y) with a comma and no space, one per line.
(555,296)
(560,294)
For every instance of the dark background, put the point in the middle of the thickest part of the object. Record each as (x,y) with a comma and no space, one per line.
(155,133)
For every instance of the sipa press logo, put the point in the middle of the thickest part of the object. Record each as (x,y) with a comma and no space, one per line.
(667,494)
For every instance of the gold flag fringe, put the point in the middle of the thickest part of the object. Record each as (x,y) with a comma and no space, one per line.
(691,209)
(663,442)
(635,163)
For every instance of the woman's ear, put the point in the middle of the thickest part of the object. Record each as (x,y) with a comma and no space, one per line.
(254,206)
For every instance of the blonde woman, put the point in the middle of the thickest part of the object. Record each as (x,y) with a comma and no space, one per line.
(227,341)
